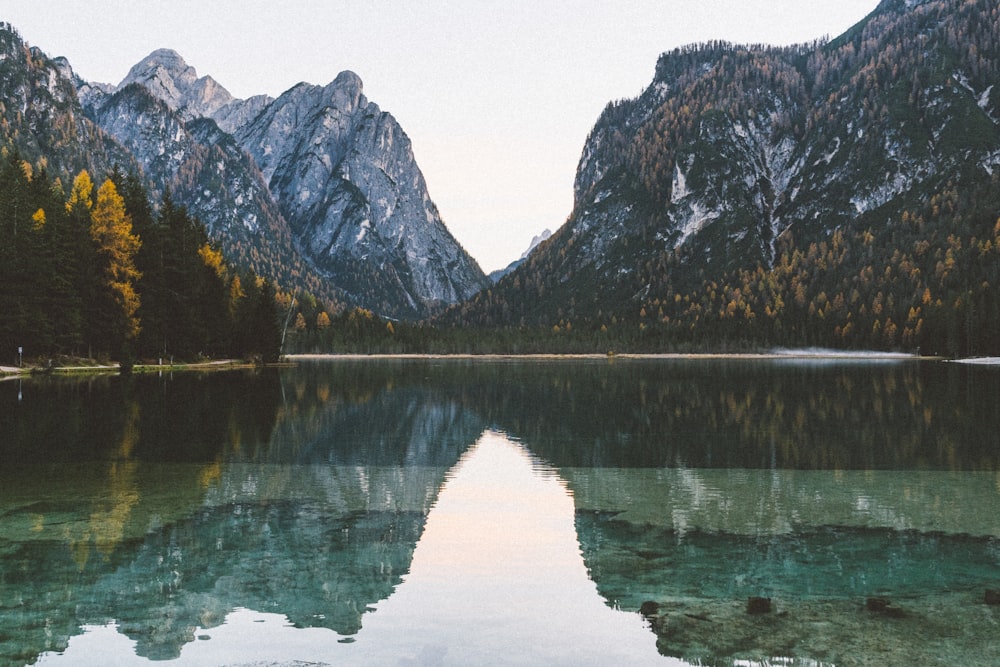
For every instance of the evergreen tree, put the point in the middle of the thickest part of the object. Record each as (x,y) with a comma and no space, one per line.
(116,315)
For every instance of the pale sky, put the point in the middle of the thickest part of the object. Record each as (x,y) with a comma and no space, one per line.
(497,96)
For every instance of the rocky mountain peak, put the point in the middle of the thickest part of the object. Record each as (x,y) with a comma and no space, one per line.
(346,92)
(348,79)
(320,168)
(167,60)
(167,76)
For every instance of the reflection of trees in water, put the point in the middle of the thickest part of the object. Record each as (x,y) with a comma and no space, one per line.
(226,533)
(622,414)
(88,481)
(700,413)
(334,549)
(646,413)
(748,414)
(183,417)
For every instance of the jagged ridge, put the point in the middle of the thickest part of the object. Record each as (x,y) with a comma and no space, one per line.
(337,168)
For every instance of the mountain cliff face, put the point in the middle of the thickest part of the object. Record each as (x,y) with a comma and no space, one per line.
(699,193)
(326,171)
(317,190)
(202,168)
(343,173)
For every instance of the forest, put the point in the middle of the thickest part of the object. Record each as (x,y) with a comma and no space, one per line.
(794,149)
(92,271)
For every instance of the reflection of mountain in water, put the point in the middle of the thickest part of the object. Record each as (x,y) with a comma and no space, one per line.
(321,552)
(754,414)
(304,498)
(305,492)
(653,414)
(747,414)
(632,563)
(730,534)
(317,568)
(498,576)
(369,414)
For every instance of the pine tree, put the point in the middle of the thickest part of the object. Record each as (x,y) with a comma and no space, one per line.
(117,246)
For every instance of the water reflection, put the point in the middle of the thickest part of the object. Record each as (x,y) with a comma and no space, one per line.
(626,414)
(703,413)
(315,504)
(321,554)
(496,575)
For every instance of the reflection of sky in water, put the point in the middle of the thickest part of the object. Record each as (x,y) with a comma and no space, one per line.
(198,520)
(496,576)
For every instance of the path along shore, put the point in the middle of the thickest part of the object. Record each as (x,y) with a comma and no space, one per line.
(14,371)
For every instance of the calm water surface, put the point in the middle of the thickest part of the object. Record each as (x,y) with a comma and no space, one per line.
(503,512)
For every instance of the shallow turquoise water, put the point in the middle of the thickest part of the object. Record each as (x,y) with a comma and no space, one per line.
(456,512)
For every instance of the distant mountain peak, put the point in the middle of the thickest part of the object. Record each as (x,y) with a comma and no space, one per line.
(535,240)
(346,79)
(166,58)
(346,92)
(495,276)
(167,76)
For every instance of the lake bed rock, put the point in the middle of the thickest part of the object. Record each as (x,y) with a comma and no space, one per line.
(759,605)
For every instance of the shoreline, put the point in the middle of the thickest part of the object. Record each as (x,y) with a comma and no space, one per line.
(7,372)
(823,355)
(791,355)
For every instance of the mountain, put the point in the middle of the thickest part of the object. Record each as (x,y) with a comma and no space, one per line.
(837,193)
(326,171)
(343,174)
(317,190)
(495,276)
(204,169)
(41,118)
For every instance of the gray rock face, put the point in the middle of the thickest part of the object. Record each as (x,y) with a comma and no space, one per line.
(204,169)
(336,167)
(165,74)
(41,116)
(343,173)
(772,146)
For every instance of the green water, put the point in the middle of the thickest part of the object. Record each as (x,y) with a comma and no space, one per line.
(456,512)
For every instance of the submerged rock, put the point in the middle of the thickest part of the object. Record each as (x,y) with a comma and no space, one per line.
(877,604)
(828,631)
(992,596)
(758,605)
(649,609)
(883,606)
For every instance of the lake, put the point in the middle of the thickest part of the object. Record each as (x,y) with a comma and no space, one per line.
(504,511)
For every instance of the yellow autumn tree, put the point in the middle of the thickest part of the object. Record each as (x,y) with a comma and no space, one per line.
(80,197)
(212,258)
(111,229)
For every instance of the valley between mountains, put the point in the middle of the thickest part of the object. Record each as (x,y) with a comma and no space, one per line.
(842,193)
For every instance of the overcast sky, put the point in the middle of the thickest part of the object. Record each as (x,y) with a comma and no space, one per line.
(497,97)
